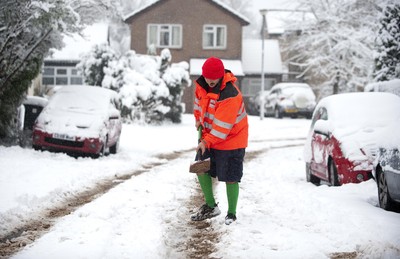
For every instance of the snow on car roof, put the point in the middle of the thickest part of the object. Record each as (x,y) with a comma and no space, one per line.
(291,88)
(367,118)
(77,110)
(82,96)
(362,106)
(292,84)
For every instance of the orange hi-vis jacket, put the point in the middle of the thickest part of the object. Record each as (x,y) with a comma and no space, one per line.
(222,113)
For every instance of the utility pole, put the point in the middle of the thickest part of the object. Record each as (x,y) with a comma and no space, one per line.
(264,14)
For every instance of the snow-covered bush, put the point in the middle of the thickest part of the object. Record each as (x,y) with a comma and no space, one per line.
(390,86)
(176,77)
(150,89)
(94,62)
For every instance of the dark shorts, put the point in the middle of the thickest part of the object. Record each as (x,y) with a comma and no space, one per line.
(226,165)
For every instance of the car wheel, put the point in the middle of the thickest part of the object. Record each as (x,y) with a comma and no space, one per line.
(333,175)
(310,177)
(114,148)
(36,147)
(385,202)
(103,150)
(278,114)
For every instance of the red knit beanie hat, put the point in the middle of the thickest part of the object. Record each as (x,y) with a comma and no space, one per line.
(213,68)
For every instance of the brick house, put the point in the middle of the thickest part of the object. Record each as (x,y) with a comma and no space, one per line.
(192,30)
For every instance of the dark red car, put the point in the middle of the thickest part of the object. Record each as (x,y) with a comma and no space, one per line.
(346,133)
(80,120)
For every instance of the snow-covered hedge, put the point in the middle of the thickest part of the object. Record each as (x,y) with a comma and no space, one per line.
(149,87)
(391,86)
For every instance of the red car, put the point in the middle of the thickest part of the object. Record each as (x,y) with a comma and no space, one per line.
(346,133)
(79,120)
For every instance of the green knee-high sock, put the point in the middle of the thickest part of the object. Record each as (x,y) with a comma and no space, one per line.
(206,186)
(232,191)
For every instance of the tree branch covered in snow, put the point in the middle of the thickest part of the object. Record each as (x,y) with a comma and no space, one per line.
(387,57)
(29,28)
(32,27)
(336,42)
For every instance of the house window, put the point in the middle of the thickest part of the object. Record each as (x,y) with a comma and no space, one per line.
(76,80)
(214,36)
(252,86)
(48,71)
(61,80)
(61,76)
(48,81)
(53,75)
(74,72)
(164,35)
(61,71)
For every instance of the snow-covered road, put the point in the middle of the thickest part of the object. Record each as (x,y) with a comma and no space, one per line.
(147,215)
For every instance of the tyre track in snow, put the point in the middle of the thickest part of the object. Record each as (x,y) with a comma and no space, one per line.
(200,243)
(203,236)
(32,229)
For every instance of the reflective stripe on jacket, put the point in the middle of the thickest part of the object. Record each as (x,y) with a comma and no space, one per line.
(222,113)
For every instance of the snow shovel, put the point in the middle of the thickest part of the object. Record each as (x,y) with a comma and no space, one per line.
(202,162)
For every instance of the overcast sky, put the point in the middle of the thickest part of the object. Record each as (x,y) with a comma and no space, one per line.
(269,4)
(274,19)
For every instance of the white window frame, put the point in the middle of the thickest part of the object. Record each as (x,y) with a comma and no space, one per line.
(71,75)
(214,30)
(156,31)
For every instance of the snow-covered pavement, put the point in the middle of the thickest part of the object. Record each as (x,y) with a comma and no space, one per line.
(280,215)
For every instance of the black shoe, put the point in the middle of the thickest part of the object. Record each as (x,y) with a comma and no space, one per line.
(206,212)
(230,218)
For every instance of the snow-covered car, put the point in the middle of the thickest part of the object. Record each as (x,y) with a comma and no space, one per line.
(291,100)
(386,173)
(256,101)
(81,120)
(346,133)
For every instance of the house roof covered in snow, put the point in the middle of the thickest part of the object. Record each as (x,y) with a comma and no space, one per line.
(244,19)
(252,56)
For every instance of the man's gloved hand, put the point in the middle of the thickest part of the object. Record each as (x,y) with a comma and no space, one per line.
(202,147)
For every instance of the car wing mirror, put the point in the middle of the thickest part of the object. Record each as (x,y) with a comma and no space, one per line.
(114,114)
(322,127)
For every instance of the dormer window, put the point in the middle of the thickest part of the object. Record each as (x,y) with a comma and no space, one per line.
(164,35)
(214,36)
